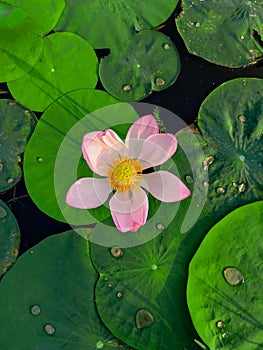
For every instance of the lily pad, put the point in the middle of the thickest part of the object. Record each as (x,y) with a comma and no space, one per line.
(123,18)
(226,32)
(49,303)
(225,277)
(232,141)
(148,61)
(20,42)
(68,62)
(46,13)
(140,293)
(16,126)
(54,151)
(9,238)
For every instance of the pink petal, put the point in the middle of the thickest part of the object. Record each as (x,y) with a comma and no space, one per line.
(88,192)
(139,131)
(97,141)
(105,161)
(157,149)
(129,210)
(165,186)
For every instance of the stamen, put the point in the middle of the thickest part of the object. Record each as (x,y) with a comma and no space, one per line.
(125,175)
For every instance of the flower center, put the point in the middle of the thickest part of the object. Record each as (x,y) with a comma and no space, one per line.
(125,175)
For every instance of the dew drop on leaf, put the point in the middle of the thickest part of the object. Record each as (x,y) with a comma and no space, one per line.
(159,82)
(189,179)
(116,252)
(220,190)
(49,329)
(119,294)
(126,88)
(233,276)
(144,319)
(35,310)
(220,324)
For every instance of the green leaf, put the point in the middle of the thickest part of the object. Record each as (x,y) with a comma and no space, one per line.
(148,61)
(122,19)
(16,126)
(54,151)
(20,42)
(232,135)
(68,62)
(9,238)
(47,299)
(225,278)
(45,13)
(225,32)
(140,293)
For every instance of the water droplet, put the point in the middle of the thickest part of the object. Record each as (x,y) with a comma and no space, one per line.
(242,158)
(207,162)
(138,65)
(105,278)
(110,285)
(224,335)
(166,46)
(160,226)
(3,213)
(242,118)
(189,179)
(233,276)
(154,267)
(116,252)
(206,184)
(234,184)
(242,37)
(35,310)
(220,324)
(119,294)
(126,88)
(27,111)
(40,160)
(11,103)
(143,319)
(10,180)
(52,70)
(242,187)
(31,252)
(159,82)
(220,190)
(197,24)
(1,166)
(49,329)
(99,345)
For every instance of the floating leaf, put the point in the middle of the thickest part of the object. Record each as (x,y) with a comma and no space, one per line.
(54,150)
(233,151)
(225,32)
(68,62)
(123,18)
(45,13)
(148,61)
(9,238)
(48,303)
(20,42)
(16,126)
(227,314)
(140,295)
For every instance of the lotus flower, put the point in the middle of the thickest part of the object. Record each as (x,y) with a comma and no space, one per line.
(121,166)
